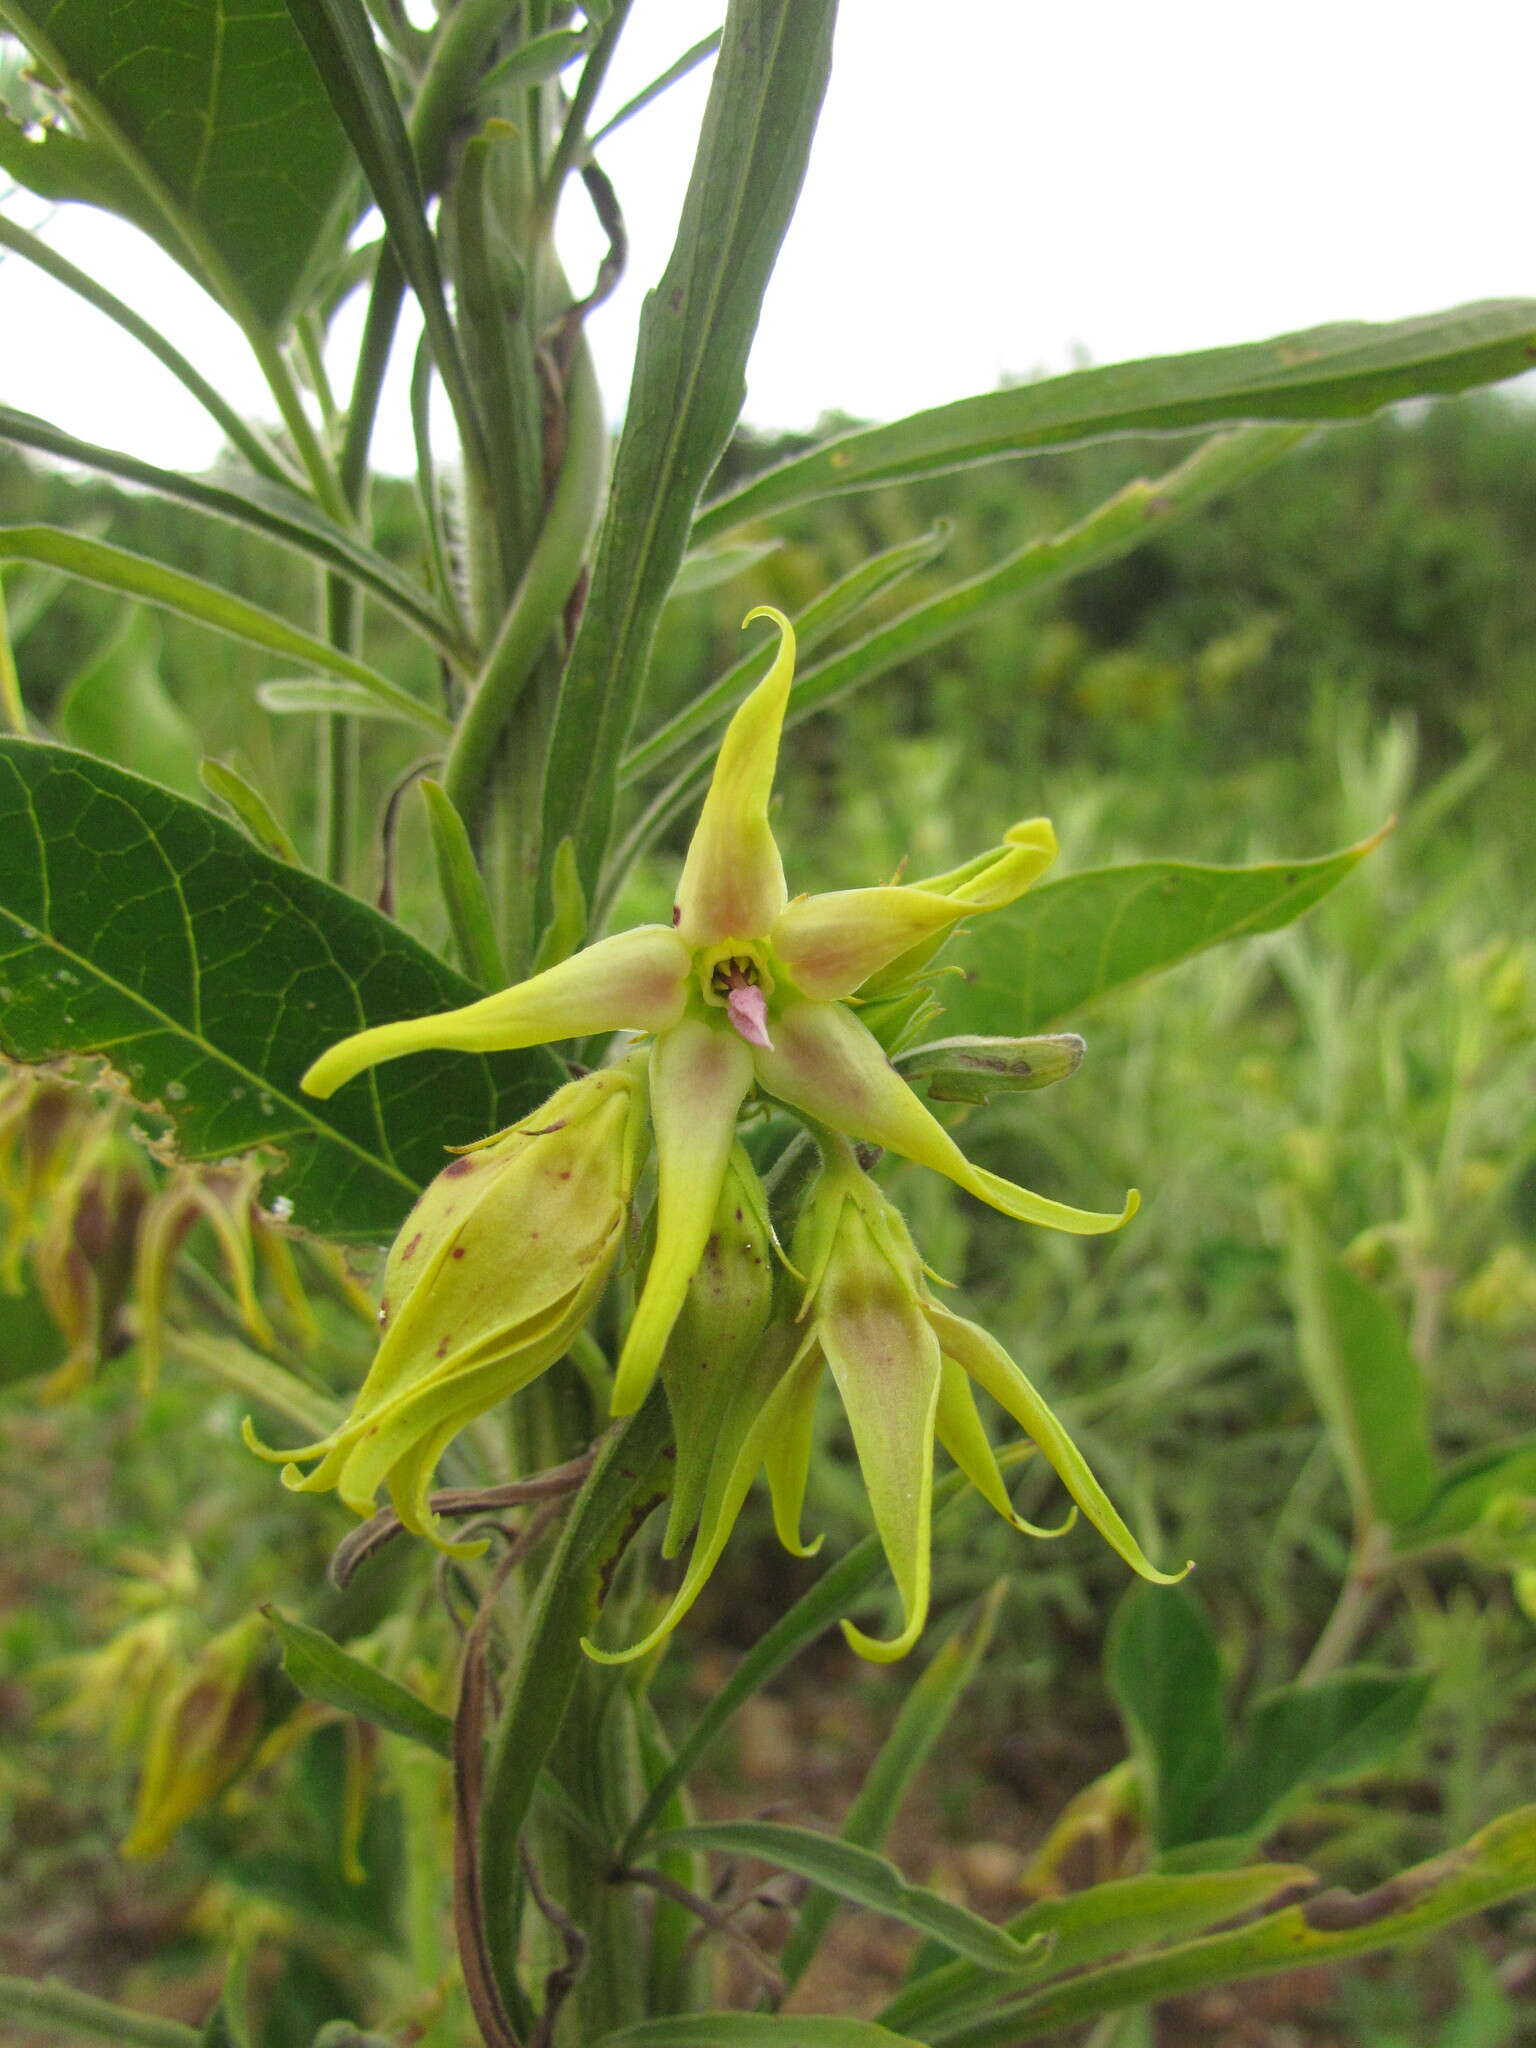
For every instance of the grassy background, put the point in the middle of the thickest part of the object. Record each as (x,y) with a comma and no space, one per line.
(1351,639)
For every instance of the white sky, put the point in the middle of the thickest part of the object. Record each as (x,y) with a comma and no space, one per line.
(997,187)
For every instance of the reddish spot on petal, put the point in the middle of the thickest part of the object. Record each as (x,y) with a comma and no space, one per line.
(458,1251)
(458,1167)
(442,1347)
(411,1247)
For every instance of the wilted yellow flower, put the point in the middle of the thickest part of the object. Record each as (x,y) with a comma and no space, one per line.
(202,1735)
(497,1267)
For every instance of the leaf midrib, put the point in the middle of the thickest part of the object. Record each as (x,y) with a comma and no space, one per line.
(262,1083)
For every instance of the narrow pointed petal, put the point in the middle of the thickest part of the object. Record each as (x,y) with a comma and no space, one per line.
(1000,873)
(730,1480)
(733,879)
(959,1429)
(826,1063)
(830,945)
(635,981)
(699,1076)
(995,1372)
(787,1452)
(885,1360)
(1027,851)
(993,879)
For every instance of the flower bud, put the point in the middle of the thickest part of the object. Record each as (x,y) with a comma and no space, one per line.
(494,1271)
(976,1069)
(864,1301)
(720,1326)
(83,1262)
(203,1734)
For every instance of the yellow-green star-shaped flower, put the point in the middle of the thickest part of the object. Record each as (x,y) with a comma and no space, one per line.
(744,989)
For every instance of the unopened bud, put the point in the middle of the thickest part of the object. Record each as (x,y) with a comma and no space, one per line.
(203,1734)
(975,1069)
(494,1271)
(718,1329)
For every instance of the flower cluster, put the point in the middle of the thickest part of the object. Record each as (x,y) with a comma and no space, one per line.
(746,996)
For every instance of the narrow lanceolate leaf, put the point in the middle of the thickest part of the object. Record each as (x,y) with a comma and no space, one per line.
(462,887)
(1164,1671)
(1067,943)
(258,503)
(1127,520)
(1300,1736)
(1468,1488)
(1497,1864)
(755,2030)
(836,607)
(261,822)
(323,1670)
(628,1478)
(865,1879)
(338,35)
(304,694)
(1364,1379)
(131,575)
(924,1716)
(815,1614)
(695,331)
(59,2010)
(139,926)
(219,111)
(237,430)
(1325,373)
(1105,1920)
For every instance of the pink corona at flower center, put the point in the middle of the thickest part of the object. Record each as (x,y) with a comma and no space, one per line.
(746,1004)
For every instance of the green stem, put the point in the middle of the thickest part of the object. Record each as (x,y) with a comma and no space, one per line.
(340,740)
(202,259)
(459,55)
(13,712)
(547,583)
(310,338)
(623,1480)
(289,401)
(1369,1564)
(236,431)
(60,2007)
(573,136)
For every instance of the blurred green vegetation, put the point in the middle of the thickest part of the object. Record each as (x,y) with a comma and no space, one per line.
(1351,639)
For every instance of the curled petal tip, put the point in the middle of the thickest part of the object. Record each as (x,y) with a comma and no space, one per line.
(770,611)
(883,1650)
